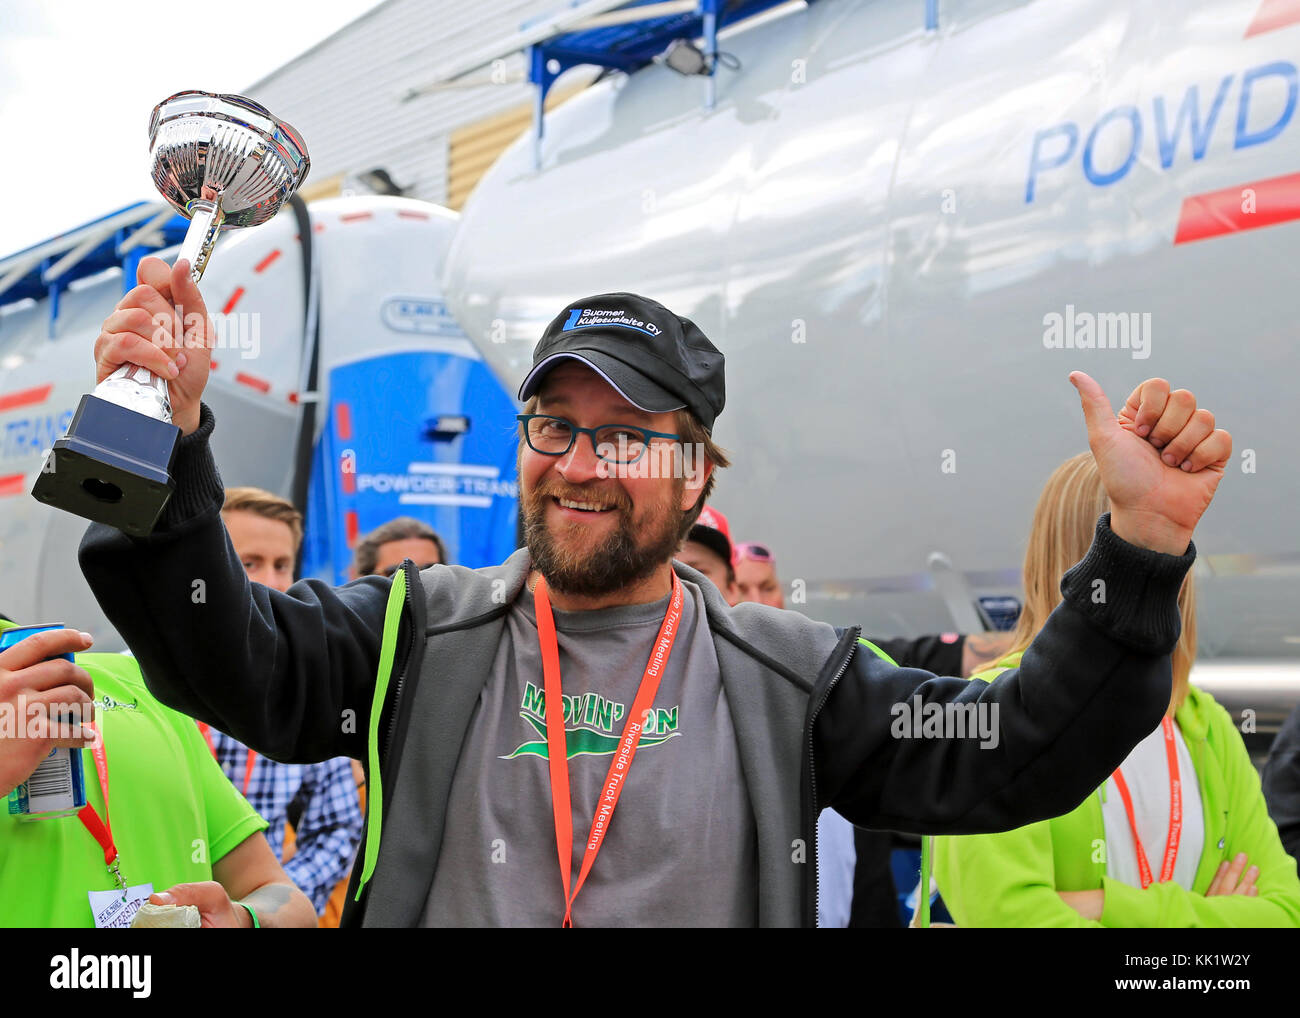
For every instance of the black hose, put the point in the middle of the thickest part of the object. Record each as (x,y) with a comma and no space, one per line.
(311,353)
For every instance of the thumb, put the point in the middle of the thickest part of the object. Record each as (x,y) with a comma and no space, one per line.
(155,272)
(187,298)
(199,894)
(184,290)
(1097,412)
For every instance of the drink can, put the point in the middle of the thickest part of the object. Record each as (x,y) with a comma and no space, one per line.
(57,788)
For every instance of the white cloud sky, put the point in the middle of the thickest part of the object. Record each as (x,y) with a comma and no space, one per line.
(79,78)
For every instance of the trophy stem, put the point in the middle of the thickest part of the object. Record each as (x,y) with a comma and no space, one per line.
(205,223)
(137,388)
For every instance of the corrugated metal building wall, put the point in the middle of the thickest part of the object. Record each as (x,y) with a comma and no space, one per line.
(344,94)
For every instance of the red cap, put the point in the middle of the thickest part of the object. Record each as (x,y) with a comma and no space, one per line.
(710,517)
(712,530)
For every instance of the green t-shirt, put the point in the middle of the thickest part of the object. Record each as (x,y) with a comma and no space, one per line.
(173,812)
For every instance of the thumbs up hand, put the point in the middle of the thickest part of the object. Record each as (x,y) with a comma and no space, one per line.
(1160,460)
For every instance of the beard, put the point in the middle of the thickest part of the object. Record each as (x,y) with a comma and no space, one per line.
(569,560)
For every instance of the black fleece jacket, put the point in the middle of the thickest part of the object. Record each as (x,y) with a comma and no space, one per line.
(277,670)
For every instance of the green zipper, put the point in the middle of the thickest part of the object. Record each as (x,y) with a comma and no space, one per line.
(877,651)
(375,800)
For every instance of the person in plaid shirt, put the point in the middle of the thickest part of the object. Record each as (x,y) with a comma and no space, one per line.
(318,800)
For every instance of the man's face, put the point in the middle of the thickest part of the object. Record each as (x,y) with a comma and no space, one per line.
(590,531)
(704,559)
(756,581)
(419,550)
(264,546)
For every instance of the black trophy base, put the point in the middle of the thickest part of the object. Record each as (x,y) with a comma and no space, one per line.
(113,466)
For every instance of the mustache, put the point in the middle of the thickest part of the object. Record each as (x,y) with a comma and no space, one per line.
(591,493)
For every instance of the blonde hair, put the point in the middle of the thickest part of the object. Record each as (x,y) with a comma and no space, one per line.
(1065,520)
(265,504)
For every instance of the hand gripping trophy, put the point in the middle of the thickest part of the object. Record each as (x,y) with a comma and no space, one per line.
(222,161)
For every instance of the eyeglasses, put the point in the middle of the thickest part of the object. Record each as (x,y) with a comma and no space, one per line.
(613,443)
(757,552)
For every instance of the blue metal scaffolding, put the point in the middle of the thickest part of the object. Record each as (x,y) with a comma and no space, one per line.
(119,239)
(634,44)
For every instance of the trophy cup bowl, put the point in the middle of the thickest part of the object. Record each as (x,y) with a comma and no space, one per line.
(223,162)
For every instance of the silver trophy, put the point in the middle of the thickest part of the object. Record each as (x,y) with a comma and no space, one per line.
(223,162)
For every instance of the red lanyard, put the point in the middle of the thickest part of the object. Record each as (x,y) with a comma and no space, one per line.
(557,757)
(1175,812)
(99,829)
(249,761)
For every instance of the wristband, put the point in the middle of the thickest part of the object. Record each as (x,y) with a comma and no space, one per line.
(251,914)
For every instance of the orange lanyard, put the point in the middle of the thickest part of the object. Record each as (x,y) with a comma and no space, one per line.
(99,829)
(556,754)
(1175,812)
(249,761)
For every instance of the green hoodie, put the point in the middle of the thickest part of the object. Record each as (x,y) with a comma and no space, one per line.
(1011,879)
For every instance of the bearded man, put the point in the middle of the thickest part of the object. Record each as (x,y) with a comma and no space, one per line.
(588,734)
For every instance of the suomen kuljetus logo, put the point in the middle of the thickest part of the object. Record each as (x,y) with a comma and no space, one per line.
(602,318)
(591,724)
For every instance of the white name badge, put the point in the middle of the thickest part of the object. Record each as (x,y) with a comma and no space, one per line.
(111,912)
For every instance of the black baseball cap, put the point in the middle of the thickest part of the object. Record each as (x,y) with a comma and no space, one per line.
(658,361)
